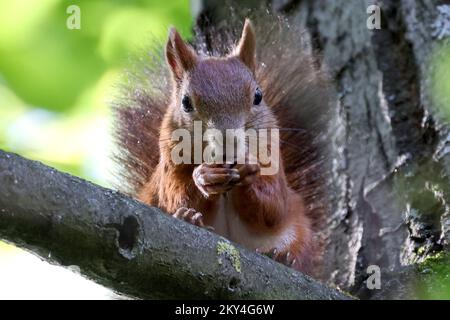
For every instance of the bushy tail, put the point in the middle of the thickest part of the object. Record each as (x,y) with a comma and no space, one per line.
(138,110)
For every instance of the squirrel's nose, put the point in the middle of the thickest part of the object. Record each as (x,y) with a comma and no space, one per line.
(226,123)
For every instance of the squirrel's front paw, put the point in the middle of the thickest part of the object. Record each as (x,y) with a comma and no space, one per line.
(213,179)
(248,173)
(190,215)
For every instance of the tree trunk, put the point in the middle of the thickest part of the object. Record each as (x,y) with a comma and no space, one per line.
(391,154)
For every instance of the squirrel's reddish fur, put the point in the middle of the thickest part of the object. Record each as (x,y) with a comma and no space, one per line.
(262,212)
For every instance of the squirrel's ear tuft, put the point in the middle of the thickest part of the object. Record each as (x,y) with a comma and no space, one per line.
(246,48)
(180,56)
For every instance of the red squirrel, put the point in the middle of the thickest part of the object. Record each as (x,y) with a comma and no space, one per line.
(274,214)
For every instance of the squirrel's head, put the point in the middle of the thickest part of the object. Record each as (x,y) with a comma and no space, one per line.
(221,92)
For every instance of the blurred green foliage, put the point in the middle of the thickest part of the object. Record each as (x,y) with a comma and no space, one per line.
(55,82)
(440,84)
(434,282)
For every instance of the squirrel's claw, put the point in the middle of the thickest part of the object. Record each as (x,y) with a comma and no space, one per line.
(190,215)
(284,257)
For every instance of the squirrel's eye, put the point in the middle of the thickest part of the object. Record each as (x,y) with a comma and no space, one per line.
(187,104)
(258,97)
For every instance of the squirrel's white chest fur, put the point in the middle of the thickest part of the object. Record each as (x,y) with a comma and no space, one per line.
(228,224)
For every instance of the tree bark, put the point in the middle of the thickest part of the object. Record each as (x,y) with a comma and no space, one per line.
(391,154)
(131,248)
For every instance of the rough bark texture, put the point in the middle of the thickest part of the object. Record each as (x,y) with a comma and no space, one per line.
(131,248)
(391,154)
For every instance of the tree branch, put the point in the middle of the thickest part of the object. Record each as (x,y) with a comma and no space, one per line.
(131,248)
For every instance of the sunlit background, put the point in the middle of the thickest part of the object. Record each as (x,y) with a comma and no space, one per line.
(55,84)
